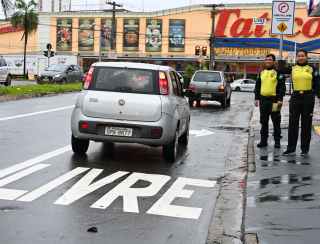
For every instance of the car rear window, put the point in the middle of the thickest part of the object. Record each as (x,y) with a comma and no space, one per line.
(207,77)
(125,80)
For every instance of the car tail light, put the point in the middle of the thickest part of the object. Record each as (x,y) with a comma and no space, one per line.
(192,88)
(84,125)
(163,84)
(89,78)
(156,133)
(221,88)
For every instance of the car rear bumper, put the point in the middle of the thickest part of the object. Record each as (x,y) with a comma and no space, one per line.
(142,131)
(214,95)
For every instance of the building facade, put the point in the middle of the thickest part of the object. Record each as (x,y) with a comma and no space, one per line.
(171,36)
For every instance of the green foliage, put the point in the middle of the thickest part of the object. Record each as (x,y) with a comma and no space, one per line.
(37,90)
(189,71)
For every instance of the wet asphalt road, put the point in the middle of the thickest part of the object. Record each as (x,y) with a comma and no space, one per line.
(25,140)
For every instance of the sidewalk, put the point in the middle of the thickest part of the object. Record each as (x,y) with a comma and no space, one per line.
(283,193)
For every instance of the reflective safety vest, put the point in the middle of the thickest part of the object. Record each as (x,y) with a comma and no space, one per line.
(268,83)
(302,78)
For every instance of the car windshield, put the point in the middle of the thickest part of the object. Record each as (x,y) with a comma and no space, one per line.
(125,80)
(207,77)
(57,67)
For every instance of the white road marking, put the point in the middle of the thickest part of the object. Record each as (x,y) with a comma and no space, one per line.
(10,194)
(52,184)
(164,207)
(35,113)
(129,194)
(33,161)
(199,133)
(85,186)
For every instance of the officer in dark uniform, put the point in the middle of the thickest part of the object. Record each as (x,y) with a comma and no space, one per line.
(269,92)
(305,84)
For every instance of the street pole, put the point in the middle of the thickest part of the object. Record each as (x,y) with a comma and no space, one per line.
(113,31)
(212,35)
(281,47)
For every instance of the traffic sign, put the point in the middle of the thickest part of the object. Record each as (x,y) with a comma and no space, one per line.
(283,17)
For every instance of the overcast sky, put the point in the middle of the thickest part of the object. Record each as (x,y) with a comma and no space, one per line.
(139,5)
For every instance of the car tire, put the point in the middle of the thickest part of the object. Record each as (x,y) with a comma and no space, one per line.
(8,81)
(238,89)
(224,102)
(79,146)
(184,140)
(229,102)
(170,150)
(191,101)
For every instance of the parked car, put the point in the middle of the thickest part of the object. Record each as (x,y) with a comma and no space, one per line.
(61,73)
(209,85)
(243,85)
(5,76)
(131,103)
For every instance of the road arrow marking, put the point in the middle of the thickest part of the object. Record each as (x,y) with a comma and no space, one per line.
(199,133)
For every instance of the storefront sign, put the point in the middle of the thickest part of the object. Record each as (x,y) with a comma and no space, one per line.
(240,52)
(106,30)
(64,35)
(86,34)
(131,35)
(9,29)
(154,35)
(176,35)
(244,27)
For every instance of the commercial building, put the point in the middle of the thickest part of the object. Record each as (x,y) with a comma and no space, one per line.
(242,36)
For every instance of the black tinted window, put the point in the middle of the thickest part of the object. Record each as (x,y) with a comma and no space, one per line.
(125,80)
(207,77)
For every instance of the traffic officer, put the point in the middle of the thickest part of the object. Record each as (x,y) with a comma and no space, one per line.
(305,84)
(269,92)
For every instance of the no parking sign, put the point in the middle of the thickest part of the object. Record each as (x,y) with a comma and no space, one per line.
(282,17)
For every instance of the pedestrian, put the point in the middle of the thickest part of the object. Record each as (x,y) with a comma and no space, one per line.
(305,85)
(269,92)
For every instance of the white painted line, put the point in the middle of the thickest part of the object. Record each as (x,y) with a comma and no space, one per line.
(36,113)
(33,161)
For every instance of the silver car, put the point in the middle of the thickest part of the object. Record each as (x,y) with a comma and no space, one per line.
(61,73)
(211,86)
(5,76)
(131,103)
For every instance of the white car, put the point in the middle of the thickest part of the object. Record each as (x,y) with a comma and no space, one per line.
(243,85)
(5,76)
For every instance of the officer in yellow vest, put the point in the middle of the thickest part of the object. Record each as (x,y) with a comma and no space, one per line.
(269,92)
(305,84)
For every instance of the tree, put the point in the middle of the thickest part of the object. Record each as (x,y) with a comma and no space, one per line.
(26,18)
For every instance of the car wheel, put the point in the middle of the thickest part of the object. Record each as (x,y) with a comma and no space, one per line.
(238,89)
(79,146)
(229,101)
(191,101)
(224,102)
(8,81)
(185,137)
(170,150)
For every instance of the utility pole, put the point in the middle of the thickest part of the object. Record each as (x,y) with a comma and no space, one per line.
(212,36)
(113,31)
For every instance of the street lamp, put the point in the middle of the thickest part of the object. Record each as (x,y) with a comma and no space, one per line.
(212,36)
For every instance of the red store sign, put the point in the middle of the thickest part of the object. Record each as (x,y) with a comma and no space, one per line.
(244,27)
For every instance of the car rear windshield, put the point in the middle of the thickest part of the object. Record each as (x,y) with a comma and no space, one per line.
(207,77)
(125,80)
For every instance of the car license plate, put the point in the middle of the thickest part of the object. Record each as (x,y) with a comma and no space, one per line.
(205,95)
(117,131)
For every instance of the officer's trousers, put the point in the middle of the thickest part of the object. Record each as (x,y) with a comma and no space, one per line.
(301,105)
(265,114)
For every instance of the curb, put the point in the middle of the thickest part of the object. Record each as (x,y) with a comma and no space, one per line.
(6,98)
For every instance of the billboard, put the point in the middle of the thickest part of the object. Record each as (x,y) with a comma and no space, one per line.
(106,32)
(86,34)
(154,35)
(64,34)
(131,35)
(176,35)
